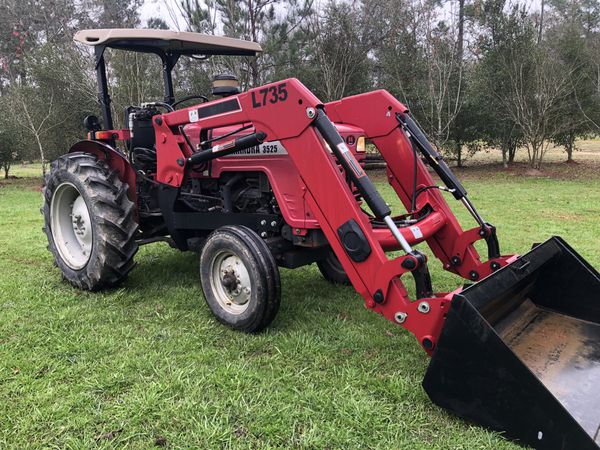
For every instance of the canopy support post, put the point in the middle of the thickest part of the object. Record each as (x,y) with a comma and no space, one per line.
(169,60)
(103,95)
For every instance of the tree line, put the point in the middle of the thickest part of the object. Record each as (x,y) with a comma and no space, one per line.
(476,74)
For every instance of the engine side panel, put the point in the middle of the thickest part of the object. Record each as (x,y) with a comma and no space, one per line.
(270,158)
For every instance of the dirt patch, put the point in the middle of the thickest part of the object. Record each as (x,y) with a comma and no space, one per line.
(240,432)
(534,173)
(585,166)
(26,262)
(583,170)
(30,184)
(553,215)
(108,436)
(589,170)
(160,441)
(555,170)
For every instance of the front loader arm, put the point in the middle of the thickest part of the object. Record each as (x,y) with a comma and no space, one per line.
(351,237)
(288,112)
(380,115)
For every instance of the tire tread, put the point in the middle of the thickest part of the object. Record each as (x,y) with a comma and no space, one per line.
(110,207)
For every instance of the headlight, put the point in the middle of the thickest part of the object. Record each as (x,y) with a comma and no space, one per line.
(361,146)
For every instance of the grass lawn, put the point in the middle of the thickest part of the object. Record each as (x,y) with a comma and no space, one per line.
(146,365)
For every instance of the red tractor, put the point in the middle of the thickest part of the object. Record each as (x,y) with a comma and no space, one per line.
(272,177)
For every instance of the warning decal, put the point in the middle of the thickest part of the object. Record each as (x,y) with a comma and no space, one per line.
(351,160)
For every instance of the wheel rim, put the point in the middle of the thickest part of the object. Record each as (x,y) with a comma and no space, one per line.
(71,226)
(230,282)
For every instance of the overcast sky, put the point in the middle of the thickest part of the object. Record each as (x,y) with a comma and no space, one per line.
(170,11)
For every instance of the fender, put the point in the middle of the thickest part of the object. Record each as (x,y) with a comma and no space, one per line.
(115,159)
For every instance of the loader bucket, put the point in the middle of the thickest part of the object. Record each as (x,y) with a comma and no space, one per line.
(520,351)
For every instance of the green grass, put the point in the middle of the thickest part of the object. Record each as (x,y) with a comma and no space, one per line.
(22,170)
(146,364)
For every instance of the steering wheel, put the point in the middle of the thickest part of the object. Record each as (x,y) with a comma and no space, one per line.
(190,97)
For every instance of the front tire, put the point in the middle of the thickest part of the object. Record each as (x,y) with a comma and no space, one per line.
(240,279)
(332,270)
(89,221)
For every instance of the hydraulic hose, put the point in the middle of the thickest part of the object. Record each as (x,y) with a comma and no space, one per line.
(237,144)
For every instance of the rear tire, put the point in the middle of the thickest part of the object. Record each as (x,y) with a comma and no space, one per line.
(240,279)
(89,221)
(332,269)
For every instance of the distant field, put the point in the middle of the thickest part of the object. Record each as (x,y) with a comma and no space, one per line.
(588,152)
(145,365)
(26,170)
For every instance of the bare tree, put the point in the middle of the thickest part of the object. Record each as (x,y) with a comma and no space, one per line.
(443,53)
(537,88)
(340,52)
(421,60)
(35,119)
